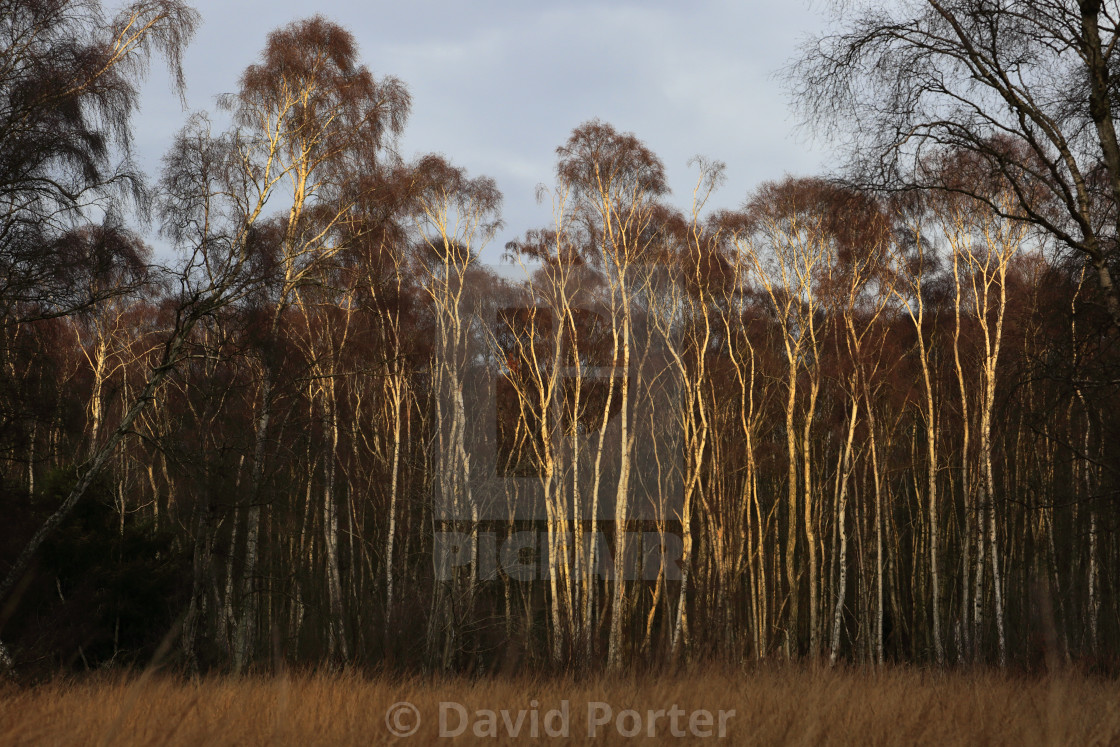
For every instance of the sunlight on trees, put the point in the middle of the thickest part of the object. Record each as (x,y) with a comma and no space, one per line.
(853,420)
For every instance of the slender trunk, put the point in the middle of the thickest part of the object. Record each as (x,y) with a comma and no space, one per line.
(396,400)
(620,602)
(336,625)
(792,499)
(934,523)
(246,624)
(811,522)
(1101,85)
(841,522)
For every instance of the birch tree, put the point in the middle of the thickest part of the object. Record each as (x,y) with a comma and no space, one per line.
(311,116)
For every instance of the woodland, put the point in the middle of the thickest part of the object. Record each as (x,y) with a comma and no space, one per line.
(863,418)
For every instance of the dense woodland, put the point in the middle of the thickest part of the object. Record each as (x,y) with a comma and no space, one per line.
(865,424)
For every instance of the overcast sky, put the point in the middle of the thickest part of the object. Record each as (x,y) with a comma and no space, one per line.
(497,85)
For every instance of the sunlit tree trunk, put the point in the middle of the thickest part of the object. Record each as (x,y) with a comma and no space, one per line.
(912,297)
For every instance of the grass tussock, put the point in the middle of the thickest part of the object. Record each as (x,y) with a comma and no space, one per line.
(780,706)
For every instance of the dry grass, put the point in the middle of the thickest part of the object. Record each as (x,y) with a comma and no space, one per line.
(781,706)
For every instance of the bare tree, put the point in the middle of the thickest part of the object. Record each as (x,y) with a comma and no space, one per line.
(68,86)
(456,216)
(69,79)
(1028,87)
(311,115)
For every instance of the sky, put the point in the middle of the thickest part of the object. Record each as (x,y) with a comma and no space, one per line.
(497,85)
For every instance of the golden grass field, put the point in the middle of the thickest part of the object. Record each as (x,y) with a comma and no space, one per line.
(772,706)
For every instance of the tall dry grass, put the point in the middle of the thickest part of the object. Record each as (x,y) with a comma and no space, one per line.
(779,706)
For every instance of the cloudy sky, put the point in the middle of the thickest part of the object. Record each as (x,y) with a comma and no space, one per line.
(497,85)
